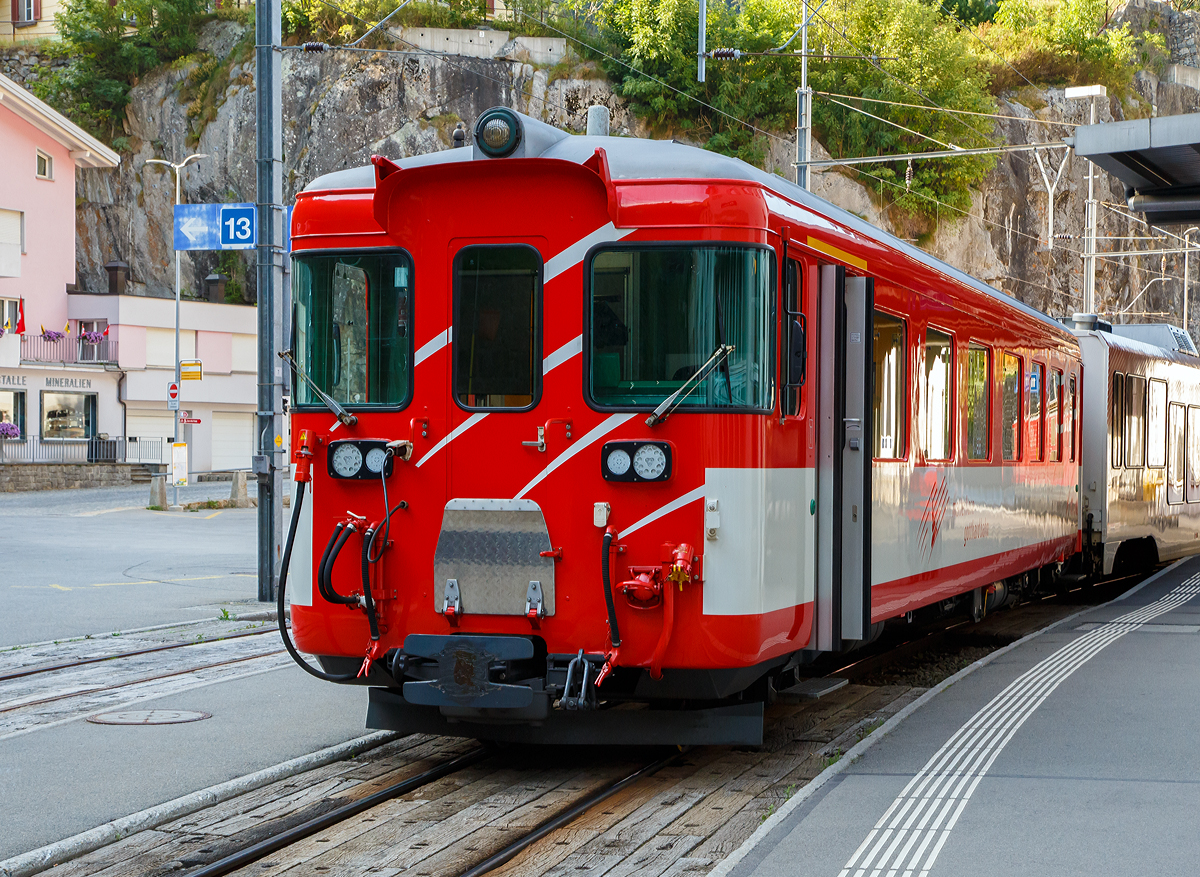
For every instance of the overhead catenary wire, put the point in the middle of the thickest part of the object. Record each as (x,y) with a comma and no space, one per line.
(893,103)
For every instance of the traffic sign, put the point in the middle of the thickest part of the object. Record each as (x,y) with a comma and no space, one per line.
(215,226)
(191,370)
(237,226)
(172,396)
(189,420)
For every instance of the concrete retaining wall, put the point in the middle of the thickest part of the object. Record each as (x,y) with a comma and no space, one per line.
(57,476)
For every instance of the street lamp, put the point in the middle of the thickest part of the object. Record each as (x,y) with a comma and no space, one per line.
(176,168)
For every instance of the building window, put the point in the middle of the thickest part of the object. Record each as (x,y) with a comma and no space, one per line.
(10,313)
(12,230)
(45,166)
(68,415)
(12,410)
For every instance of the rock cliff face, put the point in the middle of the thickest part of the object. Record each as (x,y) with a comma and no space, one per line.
(340,107)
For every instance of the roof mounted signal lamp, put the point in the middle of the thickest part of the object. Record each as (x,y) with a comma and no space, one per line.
(498,132)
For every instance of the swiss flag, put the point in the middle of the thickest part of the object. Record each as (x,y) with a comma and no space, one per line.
(21,317)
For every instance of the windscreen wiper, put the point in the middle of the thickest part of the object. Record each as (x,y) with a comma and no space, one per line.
(670,403)
(343,416)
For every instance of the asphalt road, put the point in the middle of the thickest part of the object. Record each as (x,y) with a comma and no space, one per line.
(95,561)
(79,562)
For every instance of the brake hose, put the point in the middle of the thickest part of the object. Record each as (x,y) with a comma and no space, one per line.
(608,597)
(281,617)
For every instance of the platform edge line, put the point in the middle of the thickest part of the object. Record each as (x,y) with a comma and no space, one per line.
(43,858)
(726,865)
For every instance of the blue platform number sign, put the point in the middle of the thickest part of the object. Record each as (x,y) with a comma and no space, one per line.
(237,227)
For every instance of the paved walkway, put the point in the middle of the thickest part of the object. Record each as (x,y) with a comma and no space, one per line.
(1073,753)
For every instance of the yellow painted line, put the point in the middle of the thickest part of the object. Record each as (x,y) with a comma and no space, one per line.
(213,515)
(128,508)
(840,255)
(59,588)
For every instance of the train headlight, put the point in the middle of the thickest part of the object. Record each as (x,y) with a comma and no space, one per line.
(635,461)
(346,460)
(497,132)
(649,462)
(359,458)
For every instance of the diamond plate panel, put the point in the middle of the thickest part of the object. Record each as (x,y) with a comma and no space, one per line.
(492,547)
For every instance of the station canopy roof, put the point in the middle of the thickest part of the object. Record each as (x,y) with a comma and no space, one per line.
(1158,160)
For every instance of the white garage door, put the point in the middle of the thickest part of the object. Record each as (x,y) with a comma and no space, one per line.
(232,440)
(154,430)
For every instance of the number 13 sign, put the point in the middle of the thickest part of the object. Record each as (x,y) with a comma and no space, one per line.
(237,227)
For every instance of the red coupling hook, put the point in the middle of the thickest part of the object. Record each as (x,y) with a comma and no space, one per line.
(375,651)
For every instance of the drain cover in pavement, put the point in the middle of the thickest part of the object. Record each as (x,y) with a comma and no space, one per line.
(149,717)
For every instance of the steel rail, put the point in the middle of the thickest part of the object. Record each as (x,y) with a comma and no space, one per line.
(114,686)
(50,668)
(556,822)
(253,853)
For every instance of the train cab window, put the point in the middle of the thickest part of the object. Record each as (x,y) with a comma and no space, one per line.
(351,313)
(695,319)
(1135,421)
(1156,424)
(1117,419)
(497,332)
(888,383)
(936,404)
(979,402)
(1033,399)
(1054,388)
(1176,451)
(1192,480)
(1010,412)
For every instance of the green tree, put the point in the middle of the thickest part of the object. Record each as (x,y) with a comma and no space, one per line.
(110,47)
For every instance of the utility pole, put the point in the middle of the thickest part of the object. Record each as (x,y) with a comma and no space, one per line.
(270,459)
(702,41)
(1091,209)
(177,169)
(803,107)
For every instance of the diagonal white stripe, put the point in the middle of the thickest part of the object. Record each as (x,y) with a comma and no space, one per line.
(677,503)
(571,349)
(573,255)
(433,345)
(604,428)
(452,435)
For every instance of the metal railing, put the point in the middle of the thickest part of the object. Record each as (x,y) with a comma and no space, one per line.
(69,348)
(119,449)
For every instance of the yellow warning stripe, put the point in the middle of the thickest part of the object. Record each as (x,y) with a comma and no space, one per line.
(840,255)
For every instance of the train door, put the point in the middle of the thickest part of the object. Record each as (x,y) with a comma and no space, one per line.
(844,430)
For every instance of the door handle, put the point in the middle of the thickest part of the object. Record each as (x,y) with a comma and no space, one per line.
(540,444)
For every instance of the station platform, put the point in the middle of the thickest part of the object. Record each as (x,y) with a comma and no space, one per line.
(1074,752)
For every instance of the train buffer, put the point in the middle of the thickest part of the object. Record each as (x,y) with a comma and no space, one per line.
(1070,752)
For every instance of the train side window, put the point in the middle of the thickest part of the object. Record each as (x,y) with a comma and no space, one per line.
(1072,413)
(1116,419)
(497,331)
(1176,452)
(1156,424)
(979,403)
(1033,399)
(1135,421)
(1054,389)
(936,406)
(889,397)
(1010,413)
(1193,454)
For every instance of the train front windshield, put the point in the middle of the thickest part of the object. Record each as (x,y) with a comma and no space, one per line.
(351,327)
(660,313)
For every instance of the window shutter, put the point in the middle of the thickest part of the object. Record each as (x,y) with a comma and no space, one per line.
(16,11)
(37,10)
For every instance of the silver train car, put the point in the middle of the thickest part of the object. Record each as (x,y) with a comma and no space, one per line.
(1140,473)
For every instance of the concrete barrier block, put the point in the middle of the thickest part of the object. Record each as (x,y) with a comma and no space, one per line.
(158,491)
(237,493)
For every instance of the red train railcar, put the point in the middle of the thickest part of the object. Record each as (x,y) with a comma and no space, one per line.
(627,430)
